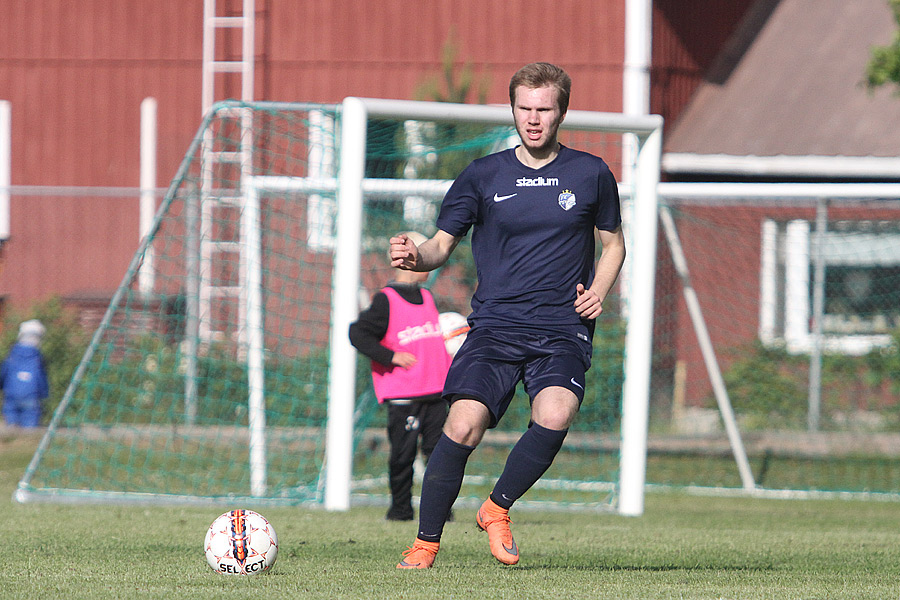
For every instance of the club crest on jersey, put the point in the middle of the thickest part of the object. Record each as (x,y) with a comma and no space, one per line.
(566,199)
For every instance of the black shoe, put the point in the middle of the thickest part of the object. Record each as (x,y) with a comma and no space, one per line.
(397,514)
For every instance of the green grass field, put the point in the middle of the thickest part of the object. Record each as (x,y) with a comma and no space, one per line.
(683,547)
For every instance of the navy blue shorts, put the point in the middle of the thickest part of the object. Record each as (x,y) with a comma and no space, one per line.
(492,361)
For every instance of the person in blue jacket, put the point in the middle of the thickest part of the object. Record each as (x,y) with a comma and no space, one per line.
(23,377)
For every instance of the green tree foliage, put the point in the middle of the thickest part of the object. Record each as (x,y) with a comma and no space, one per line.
(449,147)
(768,386)
(146,379)
(458,143)
(451,84)
(884,64)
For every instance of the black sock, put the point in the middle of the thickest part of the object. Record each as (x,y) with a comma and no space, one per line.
(440,487)
(527,461)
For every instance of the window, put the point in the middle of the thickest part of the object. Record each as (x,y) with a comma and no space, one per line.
(861,284)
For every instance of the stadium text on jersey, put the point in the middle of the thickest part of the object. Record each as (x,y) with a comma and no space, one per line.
(537,181)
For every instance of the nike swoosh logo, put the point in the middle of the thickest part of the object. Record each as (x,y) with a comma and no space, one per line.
(576,383)
(514,550)
(502,198)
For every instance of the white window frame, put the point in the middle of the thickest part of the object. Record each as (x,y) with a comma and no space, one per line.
(797,256)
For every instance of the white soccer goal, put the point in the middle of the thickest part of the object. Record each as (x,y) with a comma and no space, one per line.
(233,377)
(799,286)
(642,253)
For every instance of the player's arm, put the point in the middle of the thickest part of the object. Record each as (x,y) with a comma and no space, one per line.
(589,302)
(432,254)
(369,329)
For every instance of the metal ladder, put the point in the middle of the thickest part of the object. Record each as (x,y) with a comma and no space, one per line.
(221,240)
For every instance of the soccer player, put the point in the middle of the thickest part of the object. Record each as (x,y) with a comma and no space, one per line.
(533,211)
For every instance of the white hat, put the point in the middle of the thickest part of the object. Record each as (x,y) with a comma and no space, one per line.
(31,332)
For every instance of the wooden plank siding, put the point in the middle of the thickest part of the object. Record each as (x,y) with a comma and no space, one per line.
(387,49)
(76,72)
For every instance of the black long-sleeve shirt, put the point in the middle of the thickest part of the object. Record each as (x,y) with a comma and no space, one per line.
(369,329)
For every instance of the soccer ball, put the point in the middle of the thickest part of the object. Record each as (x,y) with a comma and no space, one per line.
(241,542)
(454,327)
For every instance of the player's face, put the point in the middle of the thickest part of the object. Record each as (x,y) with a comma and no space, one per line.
(537,117)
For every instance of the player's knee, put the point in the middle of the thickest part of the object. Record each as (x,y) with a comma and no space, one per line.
(467,422)
(466,434)
(556,422)
(555,408)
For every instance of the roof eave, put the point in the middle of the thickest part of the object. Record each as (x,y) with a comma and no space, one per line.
(683,163)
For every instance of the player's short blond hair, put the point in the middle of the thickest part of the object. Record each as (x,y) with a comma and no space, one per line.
(541,74)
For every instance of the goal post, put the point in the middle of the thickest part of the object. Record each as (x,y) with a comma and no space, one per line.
(639,338)
(233,378)
(635,402)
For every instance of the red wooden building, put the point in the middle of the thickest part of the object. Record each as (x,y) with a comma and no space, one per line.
(75,74)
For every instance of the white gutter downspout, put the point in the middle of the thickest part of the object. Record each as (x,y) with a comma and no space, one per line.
(5,166)
(635,101)
(638,37)
(148,186)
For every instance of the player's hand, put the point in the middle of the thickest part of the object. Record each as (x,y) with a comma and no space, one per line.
(404,360)
(587,302)
(404,253)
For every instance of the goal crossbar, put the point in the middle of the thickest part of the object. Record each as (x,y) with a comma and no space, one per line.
(647,129)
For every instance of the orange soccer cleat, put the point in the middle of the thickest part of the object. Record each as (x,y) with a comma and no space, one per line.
(495,520)
(420,555)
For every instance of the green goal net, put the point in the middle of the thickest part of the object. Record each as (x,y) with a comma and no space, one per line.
(213,374)
(753,350)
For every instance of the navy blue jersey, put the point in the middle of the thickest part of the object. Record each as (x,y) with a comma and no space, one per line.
(532,233)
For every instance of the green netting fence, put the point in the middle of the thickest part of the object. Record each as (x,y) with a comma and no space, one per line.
(161,406)
(212,361)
